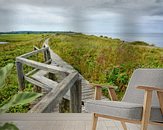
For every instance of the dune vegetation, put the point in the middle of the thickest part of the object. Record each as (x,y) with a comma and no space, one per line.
(99,59)
(105,60)
(18,45)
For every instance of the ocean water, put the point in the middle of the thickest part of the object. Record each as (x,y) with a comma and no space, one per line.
(3,42)
(151,38)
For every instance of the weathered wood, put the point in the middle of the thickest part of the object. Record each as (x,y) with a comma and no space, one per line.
(58,121)
(41,73)
(48,54)
(34,82)
(48,103)
(35,87)
(48,61)
(31,72)
(44,80)
(35,48)
(35,70)
(40,76)
(75,97)
(34,52)
(20,73)
(45,56)
(42,66)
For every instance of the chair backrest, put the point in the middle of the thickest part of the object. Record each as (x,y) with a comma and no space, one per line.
(143,77)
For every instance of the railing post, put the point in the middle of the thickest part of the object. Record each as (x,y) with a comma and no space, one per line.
(36,88)
(47,55)
(21,80)
(75,97)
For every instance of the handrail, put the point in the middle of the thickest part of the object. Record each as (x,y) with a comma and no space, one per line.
(41,66)
(48,103)
(71,82)
(34,52)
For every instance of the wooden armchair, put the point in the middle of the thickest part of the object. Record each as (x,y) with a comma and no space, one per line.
(138,107)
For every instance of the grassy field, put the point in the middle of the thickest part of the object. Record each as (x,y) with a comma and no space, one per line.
(98,59)
(18,45)
(105,60)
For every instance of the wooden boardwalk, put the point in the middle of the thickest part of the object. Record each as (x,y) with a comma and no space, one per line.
(58,121)
(87,89)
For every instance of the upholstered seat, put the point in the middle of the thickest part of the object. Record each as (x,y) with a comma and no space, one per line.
(131,111)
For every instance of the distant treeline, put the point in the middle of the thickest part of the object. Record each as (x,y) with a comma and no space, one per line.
(39,32)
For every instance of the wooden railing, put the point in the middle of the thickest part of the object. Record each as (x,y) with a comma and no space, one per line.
(70,81)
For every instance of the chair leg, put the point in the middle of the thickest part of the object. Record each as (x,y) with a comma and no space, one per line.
(144,126)
(124,125)
(146,109)
(94,121)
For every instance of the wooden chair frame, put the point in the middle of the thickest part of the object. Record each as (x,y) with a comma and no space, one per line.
(146,107)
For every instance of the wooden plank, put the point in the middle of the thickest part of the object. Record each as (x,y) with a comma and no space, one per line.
(46,81)
(38,83)
(35,48)
(31,72)
(87,90)
(35,70)
(42,66)
(75,97)
(51,121)
(33,52)
(20,73)
(84,98)
(47,55)
(41,73)
(87,93)
(48,61)
(54,97)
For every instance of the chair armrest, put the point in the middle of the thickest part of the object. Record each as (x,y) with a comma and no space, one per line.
(149,88)
(98,91)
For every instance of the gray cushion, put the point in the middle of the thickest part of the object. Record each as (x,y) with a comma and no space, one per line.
(131,111)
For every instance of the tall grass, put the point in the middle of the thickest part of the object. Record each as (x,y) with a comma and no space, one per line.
(106,60)
(18,45)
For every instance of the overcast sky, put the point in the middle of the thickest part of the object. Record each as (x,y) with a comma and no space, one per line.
(111,16)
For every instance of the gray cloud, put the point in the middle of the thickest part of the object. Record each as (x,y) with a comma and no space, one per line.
(75,13)
(120,6)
